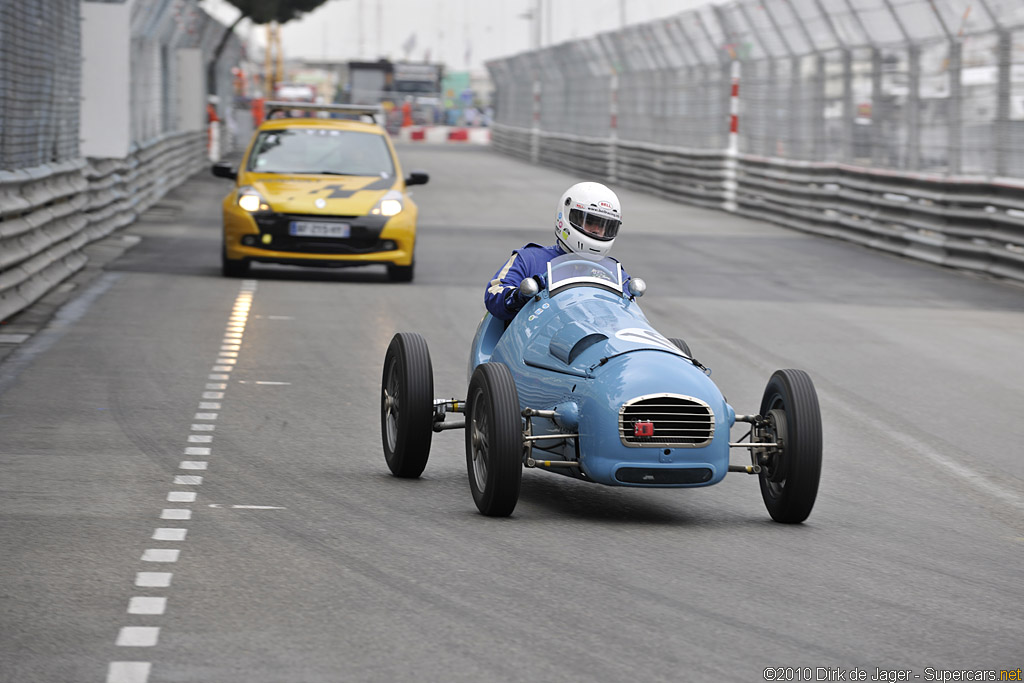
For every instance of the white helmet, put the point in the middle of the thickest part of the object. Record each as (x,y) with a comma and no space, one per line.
(588,219)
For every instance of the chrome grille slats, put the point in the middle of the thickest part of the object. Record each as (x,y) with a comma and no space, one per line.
(679,421)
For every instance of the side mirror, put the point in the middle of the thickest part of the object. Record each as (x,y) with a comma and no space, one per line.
(416,178)
(528,288)
(637,287)
(222,169)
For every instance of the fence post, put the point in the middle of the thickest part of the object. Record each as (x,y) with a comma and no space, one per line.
(1001,134)
(535,131)
(613,86)
(733,146)
(914,109)
(955,107)
(848,107)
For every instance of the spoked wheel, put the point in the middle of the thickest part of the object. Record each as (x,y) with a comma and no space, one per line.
(407,405)
(682,346)
(494,440)
(789,475)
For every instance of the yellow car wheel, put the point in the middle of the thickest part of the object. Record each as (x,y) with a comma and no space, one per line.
(401,273)
(232,267)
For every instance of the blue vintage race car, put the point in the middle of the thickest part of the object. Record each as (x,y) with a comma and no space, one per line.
(580,384)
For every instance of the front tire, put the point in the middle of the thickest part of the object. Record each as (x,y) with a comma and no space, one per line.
(407,405)
(401,273)
(232,267)
(789,477)
(682,346)
(494,440)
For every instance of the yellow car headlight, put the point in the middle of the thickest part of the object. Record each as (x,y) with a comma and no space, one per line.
(251,200)
(389,205)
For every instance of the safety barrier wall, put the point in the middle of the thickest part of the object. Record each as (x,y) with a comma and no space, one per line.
(54,200)
(899,125)
(975,224)
(50,212)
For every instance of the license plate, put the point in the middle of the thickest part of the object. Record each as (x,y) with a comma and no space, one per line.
(319,229)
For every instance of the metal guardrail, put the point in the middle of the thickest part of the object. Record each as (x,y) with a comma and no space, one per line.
(969,223)
(50,212)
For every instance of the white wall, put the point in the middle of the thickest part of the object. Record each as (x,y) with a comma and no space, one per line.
(105,124)
(191,89)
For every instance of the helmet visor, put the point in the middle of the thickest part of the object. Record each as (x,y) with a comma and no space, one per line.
(598,227)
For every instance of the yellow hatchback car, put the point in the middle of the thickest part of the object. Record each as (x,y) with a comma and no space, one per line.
(325,192)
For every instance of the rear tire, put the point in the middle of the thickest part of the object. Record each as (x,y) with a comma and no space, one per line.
(407,405)
(494,440)
(789,479)
(232,267)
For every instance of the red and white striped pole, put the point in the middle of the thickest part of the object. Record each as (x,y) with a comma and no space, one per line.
(732,149)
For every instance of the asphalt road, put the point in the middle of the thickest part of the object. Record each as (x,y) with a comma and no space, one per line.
(301,558)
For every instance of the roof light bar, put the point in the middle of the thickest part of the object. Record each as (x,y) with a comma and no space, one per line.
(371,110)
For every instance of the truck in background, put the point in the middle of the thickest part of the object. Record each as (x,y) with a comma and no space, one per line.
(413,86)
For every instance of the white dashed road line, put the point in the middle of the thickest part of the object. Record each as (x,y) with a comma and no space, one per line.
(154,606)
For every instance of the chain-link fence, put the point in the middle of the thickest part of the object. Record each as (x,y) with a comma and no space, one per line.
(54,202)
(914,85)
(897,124)
(40,76)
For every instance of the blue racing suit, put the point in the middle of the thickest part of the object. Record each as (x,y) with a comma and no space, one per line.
(502,295)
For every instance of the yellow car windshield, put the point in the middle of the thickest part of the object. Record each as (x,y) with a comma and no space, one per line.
(321,151)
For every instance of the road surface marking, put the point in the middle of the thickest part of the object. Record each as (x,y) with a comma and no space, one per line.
(176,513)
(138,636)
(160,555)
(188,479)
(153,579)
(197,450)
(192,465)
(165,534)
(181,497)
(142,605)
(128,672)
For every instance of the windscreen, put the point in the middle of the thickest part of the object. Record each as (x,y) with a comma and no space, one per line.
(321,151)
(571,269)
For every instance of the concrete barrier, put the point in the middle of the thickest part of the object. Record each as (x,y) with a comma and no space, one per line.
(445,134)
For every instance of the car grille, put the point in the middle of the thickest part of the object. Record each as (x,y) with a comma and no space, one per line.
(678,421)
(364,238)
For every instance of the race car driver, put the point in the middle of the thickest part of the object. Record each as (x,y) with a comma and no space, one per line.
(586,222)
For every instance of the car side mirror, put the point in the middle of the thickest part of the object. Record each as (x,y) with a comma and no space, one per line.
(528,288)
(222,169)
(637,287)
(417,178)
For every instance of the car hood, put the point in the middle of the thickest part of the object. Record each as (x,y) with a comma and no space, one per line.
(583,331)
(341,195)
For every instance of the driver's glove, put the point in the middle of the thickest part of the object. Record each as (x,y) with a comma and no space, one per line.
(513,302)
